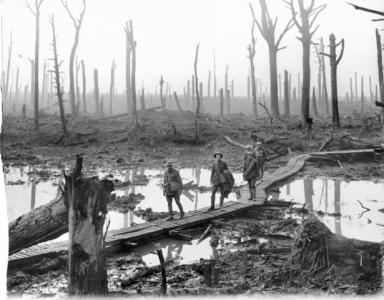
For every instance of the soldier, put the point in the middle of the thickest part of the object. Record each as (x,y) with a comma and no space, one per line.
(172,189)
(218,178)
(250,171)
(261,155)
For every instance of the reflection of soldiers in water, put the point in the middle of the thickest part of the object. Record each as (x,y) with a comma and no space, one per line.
(178,247)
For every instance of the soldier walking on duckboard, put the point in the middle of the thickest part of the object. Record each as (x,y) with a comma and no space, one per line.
(250,171)
(218,179)
(172,189)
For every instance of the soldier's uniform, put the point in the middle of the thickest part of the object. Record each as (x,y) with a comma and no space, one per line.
(250,171)
(261,156)
(172,189)
(218,179)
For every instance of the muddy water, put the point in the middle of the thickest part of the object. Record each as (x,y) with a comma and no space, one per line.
(38,186)
(328,197)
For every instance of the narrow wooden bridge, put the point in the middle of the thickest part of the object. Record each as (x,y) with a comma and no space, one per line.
(152,230)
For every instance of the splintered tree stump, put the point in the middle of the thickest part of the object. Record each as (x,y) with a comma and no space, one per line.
(87,206)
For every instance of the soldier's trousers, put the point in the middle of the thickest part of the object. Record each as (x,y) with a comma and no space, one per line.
(215,188)
(175,196)
(252,187)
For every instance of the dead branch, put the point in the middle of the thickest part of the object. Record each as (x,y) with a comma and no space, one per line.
(377,12)
(267,111)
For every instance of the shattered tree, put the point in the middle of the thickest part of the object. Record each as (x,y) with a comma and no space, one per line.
(77,24)
(251,56)
(87,207)
(267,29)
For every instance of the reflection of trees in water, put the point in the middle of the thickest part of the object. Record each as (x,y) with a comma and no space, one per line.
(308,193)
(288,188)
(32,179)
(337,193)
(198,174)
(325,185)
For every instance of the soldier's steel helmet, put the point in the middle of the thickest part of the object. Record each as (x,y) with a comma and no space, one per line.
(259,143)
(248,147)
(218,153)
(169,164)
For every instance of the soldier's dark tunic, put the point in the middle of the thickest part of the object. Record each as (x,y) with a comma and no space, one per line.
(217,172)
(250,172)
(172,187)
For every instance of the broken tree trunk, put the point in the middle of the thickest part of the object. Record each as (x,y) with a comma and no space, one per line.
(133,85)
(286,95)
(226,90)
(177,102)
(142,100)
(209,85)
(59,91)
(380,70)
(163,104)
(221,102)
(334,62)
(362,95)
(96,92)
(128,50)
(251,56)
(77,24)
(87,207)
(314,104)
(112,86)
(45,223)
(197,82)
(84,87)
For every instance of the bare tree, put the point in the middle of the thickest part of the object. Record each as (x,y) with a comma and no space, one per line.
(251,56)
(267,29)
(36,13)
(133,77)
(112,86)
(84,87)
(56,70)
(286,94)
(214,75)
(334,62)
(197,82)
(209,84)
(163,104)
(380,70)
(128,50)
(77,24)
(308,17)
(5,95)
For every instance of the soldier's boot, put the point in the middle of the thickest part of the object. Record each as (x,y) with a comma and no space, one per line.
(212,203)
(180,209)
(170,212)
(221,201)
(250,194)
(254,194)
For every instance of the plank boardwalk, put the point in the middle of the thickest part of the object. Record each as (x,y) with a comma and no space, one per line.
(156,229)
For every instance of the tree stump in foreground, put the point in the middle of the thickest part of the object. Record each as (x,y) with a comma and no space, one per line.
(87,206)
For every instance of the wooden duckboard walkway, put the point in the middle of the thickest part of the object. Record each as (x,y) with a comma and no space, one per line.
(159,228)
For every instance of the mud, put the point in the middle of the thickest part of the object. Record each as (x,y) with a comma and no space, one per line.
(114,146)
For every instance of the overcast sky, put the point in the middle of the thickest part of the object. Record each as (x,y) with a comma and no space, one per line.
(167,32)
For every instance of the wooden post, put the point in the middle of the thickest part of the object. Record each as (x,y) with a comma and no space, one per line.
(84,87)
(96,91)
(314,104)
(59,90)
(77,22)
(221,102)
(112,87)
(163,289)
(87,207)
(286,94)
(380,70)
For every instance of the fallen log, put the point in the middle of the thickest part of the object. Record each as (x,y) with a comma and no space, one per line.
(127,114)
(45,223)
(326,142)
(205,234)
(179,236)
(144,272)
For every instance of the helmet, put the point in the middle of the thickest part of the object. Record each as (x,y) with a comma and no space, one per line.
(259,143)
(169,163)
(248,147)
(218,153)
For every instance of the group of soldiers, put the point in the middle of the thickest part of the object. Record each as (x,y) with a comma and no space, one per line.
(221,177)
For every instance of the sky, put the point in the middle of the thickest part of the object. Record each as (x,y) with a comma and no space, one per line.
(167,32)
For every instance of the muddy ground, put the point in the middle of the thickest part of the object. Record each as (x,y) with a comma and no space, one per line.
(115,144)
